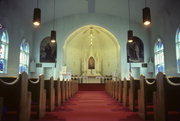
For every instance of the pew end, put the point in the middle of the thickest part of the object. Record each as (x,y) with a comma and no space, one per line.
(1,107)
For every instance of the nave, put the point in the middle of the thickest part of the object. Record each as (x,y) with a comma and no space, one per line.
(91,106)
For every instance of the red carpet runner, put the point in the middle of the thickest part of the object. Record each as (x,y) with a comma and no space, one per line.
(91,106)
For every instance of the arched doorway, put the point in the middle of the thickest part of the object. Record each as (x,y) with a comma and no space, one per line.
(95,43)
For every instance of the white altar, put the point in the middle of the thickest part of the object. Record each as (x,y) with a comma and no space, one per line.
(91,65)
(92,79)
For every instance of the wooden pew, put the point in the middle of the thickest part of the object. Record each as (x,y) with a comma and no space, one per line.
(50,91)
(126,85)
(145,96)
(66,90)
(117,90)
(133,93)
(120,91)
(70,89)
(63,95)
(166,97)
(1,107)
(16,98)
(36,87)
(75,87)
(57,85)
(107,86)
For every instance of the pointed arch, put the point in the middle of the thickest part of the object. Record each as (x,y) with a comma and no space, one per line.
(95,41)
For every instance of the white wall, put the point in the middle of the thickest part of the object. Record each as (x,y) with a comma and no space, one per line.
(164,27)
(18,29)
(117,26)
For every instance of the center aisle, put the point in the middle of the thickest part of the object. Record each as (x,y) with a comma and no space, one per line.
(91,106)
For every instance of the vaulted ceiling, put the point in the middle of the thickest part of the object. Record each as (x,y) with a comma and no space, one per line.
(70,7)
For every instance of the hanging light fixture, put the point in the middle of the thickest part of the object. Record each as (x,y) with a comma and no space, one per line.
(53,32)
(130,36)
(130,32)
(53,36)
(146,15)
(37,15)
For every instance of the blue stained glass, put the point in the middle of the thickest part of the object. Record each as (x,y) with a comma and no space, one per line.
(22,68)
(159,68)
(4,38)
(24,46)
(178,49)
(3,49)
(178,36)
(1,66)
(178,65)
(159,46)
(159,56)
(24,56)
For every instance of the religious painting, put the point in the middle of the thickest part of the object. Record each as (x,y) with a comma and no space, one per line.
(135,51)
(48,51)
(91,63)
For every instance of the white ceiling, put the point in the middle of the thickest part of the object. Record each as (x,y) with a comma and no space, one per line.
(70,7)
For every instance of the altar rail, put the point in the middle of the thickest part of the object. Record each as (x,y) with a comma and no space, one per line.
(92,79)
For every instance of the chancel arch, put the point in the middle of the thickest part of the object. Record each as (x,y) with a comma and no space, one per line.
(92,51)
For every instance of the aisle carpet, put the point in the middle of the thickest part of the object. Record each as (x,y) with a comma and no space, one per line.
(91,106)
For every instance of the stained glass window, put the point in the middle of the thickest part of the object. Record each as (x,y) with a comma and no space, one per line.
(4,42)
(24,57)
(159,56)
(178,49)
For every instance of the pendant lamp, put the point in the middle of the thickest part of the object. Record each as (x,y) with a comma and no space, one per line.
(37,16)
(146,15)
(130,32)
(53,32)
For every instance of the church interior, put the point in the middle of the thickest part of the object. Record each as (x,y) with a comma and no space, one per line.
(90,60)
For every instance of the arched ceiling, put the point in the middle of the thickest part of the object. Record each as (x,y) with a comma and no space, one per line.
(92,36)
(70,7)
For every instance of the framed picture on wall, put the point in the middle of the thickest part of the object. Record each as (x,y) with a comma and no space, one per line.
(135,51)
(48,51)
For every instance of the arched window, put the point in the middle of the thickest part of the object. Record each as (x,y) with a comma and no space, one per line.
(178,49)
(159,57)
(4,42)
(24,56)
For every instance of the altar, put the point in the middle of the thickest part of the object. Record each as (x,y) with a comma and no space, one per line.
(92,79)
